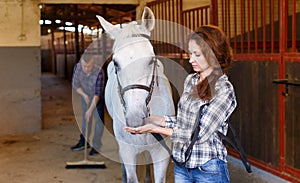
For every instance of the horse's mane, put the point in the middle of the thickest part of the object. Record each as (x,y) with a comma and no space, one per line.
(104,68)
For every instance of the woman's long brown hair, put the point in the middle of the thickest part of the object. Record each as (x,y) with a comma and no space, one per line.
(217,51)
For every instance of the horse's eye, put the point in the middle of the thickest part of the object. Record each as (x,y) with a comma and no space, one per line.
(116,65)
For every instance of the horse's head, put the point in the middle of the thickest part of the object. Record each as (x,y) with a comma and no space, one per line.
(134,63)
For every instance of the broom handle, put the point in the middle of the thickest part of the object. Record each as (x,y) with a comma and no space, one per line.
(86,139)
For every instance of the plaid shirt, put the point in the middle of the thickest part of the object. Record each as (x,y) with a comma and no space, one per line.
(214,115)
(93,84)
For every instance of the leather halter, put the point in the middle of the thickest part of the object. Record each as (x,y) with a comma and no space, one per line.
(149,88)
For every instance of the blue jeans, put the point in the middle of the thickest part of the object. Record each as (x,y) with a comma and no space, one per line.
(213,171)
(98,127)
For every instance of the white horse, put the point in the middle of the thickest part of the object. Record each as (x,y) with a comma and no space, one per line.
(136,87)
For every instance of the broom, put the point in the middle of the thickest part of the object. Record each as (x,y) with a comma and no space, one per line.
(85,163)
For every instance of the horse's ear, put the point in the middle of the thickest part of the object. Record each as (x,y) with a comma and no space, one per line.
(107,26)
(148,19)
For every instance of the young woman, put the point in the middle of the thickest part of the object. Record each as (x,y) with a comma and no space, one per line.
(207,89)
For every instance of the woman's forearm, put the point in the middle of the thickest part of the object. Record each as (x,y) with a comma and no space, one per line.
(163,131)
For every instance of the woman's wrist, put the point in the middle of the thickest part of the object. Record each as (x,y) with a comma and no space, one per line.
(162,122)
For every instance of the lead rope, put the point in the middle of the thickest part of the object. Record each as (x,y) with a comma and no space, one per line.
(194,137)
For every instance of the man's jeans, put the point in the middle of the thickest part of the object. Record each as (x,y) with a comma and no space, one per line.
(213,171)
(98,127)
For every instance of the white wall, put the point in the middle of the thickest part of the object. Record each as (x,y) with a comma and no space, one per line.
(20,85)
(19,23)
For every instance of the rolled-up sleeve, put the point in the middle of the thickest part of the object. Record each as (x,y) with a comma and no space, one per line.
(99,86)
(170,121)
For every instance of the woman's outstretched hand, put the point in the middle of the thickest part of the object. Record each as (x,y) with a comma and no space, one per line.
(147,128)
(152,123)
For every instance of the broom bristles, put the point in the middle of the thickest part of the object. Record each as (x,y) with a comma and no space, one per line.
(85,164)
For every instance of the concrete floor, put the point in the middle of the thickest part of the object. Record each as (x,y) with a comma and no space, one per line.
(41,157)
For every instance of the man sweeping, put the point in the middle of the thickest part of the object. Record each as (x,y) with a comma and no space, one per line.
(88,82)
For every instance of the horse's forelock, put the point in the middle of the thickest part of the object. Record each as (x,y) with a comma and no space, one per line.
(130,29)
(129,33)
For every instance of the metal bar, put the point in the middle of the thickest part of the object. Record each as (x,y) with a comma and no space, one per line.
(283,18)
(223,15)
(160,27)
(257,57)
(287,82)
(293,171)
(206,15)
(180,19)
(235,26)
(191,14)
(292,57)
(163,8)
(282,49)
(186,20)
(294,26)
(190,20)
(268,44)
(242,23)
(264,23)
(173,20)
(228,19)
(214,12)
(272,25)
(168,12)
(194,17)
(203,15)
(198,19)
(266,57)
(249,25)
(255,25)
(170,26)
(156,34)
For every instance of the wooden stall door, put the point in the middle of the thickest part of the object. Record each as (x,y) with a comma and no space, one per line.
(292,116)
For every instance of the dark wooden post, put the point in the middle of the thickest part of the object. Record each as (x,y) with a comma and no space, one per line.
(82,41)
(77,52)
(53,53)
(65,54)
(104,39)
